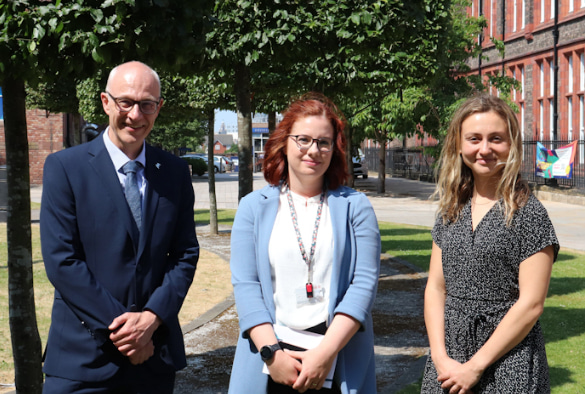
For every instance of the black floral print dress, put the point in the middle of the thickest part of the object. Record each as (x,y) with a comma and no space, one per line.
(481,277)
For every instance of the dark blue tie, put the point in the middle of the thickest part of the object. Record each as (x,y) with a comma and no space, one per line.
(132,192)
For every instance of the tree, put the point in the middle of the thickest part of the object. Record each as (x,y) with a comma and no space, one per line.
(426,105)
(42,42)
(335,47)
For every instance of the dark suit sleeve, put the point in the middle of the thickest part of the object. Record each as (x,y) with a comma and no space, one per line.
(64,255)
(182,257)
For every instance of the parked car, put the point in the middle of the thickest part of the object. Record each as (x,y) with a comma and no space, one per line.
(220,163)
(194,155)
(229,166)
(360,166)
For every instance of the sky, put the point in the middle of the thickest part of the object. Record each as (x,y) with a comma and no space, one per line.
(228,117)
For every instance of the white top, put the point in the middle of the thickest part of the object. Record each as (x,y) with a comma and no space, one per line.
(288,269)
(119,158)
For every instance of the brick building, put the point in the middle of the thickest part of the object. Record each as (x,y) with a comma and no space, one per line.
(47,133)
(544,44)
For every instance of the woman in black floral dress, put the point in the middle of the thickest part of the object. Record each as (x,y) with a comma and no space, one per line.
(492,256)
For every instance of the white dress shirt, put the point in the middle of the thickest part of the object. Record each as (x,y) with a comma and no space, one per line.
(288,269)
(119,158)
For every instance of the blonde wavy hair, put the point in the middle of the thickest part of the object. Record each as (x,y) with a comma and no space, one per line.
(455,179)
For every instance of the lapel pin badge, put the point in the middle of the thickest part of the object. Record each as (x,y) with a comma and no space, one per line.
(157,165)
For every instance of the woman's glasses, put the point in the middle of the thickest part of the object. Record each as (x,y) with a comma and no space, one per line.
(304,143)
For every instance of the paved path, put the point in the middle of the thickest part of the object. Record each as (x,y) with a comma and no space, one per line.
(406,202)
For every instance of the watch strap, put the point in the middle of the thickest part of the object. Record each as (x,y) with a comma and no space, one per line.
(267,352)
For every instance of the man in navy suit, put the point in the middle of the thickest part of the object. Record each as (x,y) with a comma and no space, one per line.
(121,266)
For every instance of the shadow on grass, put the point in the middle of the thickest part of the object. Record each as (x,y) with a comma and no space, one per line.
(560,323)
(559,376)
(34,262)
(410,244)
(564,286)
(565,257)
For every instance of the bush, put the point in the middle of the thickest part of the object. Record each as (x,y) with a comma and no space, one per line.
(198,166)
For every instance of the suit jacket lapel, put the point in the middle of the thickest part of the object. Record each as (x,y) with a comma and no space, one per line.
(104,170)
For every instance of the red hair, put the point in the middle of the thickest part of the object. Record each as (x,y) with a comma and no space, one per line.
(310,104)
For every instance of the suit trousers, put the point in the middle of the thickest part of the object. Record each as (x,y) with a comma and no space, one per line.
(133,381)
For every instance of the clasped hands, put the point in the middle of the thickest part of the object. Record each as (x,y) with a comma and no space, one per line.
(132,333)
(457,377)
(301,370)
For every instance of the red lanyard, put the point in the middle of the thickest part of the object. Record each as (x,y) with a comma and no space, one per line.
(308,259)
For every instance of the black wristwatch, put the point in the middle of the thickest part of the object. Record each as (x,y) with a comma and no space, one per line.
(267,352)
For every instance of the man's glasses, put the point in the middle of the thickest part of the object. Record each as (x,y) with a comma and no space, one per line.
(304,143)
(147,107)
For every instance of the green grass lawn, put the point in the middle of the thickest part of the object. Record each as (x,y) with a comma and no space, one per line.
(224,216)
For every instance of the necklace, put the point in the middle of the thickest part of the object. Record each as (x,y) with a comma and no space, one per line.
(308,259)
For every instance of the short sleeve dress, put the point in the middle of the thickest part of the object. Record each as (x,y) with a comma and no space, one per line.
(481,277)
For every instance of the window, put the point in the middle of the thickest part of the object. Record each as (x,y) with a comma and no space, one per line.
(542,10)
(524,13)
(1,106)
(522,127)
(571,5)
(514,90)
(570,81)
(551,120)
(581,130)
(541,120)
(582,72)
(491,18)
(515,18)
(541,69)
(552,9)
(551,74)
(522,82)
(570,117)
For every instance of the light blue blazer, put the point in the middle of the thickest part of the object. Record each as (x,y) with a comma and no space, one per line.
(354,280)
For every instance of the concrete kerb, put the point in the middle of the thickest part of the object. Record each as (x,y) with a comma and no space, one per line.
(209,315)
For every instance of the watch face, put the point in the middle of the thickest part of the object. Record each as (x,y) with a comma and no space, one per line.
(266,353)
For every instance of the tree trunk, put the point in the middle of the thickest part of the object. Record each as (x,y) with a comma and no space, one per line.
(210,171)
(271,122)
(349,155)
(26,343)
(382,166)
(244,110)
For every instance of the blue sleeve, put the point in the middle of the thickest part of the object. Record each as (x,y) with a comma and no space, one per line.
(358,298)
(246,278)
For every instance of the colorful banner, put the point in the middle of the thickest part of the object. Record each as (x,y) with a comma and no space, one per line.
(555,163)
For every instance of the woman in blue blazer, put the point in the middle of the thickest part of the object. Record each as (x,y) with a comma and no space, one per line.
(306,256)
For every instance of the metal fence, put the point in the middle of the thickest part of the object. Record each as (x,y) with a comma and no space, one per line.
(410,163)
(413,163)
